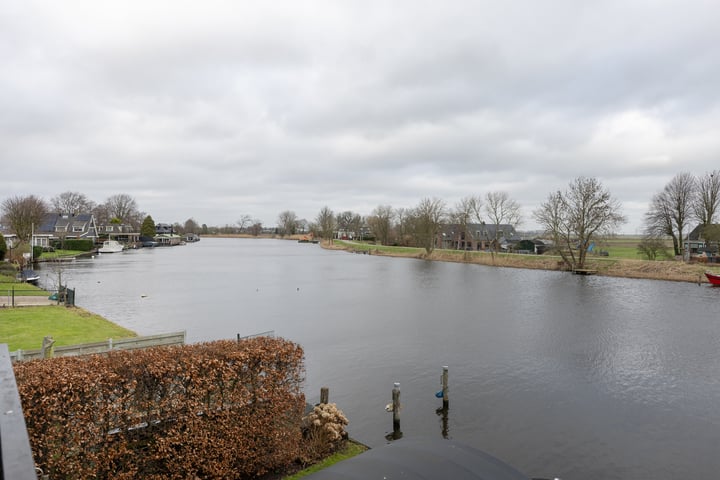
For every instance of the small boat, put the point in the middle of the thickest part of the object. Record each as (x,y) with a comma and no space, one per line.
(29,276)
(111,246)
(713,278)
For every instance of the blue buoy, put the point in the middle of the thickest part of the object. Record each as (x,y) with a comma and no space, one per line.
(439,394)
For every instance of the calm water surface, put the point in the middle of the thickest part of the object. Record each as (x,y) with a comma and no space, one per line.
(558,375)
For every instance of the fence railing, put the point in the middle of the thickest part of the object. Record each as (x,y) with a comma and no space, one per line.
(16,460)
(269,333)
(174,338)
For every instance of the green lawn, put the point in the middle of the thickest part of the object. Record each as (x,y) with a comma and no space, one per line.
(25,327)
(61,253)
(8,284)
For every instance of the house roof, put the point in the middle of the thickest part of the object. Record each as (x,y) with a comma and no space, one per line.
(697,232)
(66,222)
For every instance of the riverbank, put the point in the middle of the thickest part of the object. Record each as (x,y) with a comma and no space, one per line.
(672,270)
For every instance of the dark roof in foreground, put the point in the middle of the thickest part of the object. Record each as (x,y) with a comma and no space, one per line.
(421,460)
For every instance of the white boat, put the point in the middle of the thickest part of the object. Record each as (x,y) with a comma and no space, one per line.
(111,246)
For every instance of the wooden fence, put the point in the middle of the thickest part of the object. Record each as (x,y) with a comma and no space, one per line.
(175,338)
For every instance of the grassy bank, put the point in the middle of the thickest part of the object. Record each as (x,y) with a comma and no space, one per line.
(9,284)
(25,327)
(351,449)
(610,266)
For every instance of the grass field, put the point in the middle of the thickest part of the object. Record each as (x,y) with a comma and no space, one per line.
(25,327)
(9,284)
(622,246)
(49,256)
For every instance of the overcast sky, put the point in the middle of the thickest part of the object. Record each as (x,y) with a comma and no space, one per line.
(213,110)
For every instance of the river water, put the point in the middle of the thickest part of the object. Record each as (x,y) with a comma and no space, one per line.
(558,375)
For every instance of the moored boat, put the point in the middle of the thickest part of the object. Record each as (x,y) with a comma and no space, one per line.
(29,276)
(713,278)
(111,246)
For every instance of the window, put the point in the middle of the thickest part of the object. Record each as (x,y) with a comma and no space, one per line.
(77,228)
(108,228)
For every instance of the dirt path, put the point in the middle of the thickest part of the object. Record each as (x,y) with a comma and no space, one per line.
(26,301)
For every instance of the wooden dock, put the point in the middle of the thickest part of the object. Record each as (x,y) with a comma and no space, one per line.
(584,271)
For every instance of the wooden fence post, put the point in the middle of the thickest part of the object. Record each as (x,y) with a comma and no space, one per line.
(47,347)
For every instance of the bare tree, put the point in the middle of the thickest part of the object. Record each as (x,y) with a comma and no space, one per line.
(501,210)
(72,202)
(707,199)
(575,217)
(465,212)
(380,222)
(403,225)
(123,208)
(659,220)
(244,221)
(356,225)
(326,223)
(427,219)
(256,228)
(191,226)
(22,214)
(679,194)
(287,222)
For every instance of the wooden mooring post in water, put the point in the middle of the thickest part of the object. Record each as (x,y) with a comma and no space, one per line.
(324,395)
(445,395)
(396,407)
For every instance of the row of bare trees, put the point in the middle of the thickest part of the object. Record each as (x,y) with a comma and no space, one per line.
(420,225)
(685,200)
(571,218)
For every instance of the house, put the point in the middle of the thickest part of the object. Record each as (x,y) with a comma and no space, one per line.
(65,226)
(120,232)
(696,242)
(164,229)
(168,239)
(476,236)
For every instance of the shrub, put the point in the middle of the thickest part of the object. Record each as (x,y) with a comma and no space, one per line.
(324,431)
(214,410)
(79,244)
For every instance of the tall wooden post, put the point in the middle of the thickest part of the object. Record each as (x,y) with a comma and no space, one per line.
(324,395)
(446,400)
(396,406)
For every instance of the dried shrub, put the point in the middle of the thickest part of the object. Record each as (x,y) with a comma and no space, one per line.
(213,410)
(324,431)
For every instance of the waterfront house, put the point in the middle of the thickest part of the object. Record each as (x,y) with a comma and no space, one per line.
(703,238)
(66,226)
(476,236)
(164,229)
(122,233)
(168,239)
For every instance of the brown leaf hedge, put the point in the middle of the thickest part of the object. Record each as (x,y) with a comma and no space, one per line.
(222,409)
